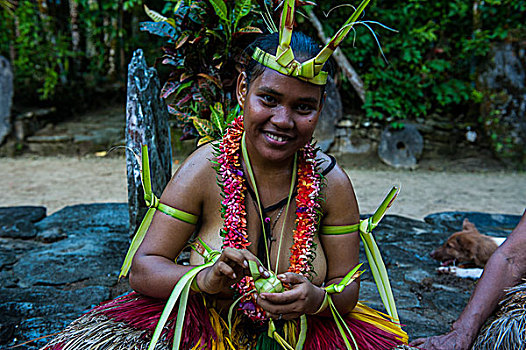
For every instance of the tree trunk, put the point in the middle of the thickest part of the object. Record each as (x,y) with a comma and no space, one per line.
(342,61)
(74,20)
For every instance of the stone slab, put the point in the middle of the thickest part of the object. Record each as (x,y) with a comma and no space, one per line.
(18,222)
(146,124)
(331,113)
(45,286)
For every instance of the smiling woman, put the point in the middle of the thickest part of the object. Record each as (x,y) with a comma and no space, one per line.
(277,241)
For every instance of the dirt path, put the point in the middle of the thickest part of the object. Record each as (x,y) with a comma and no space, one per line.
(58,182)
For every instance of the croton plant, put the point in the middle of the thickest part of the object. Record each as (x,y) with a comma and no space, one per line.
(204,47)
(204,50)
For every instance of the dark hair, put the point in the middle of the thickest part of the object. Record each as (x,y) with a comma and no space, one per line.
(303,46)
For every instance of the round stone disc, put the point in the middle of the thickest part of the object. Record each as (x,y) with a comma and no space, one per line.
(401,148)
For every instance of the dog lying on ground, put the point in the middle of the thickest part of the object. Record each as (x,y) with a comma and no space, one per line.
(467,248)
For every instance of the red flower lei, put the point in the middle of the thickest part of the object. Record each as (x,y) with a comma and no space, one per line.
(233,211)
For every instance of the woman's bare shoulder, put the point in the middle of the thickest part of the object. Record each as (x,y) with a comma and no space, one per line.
(335,175)
(192,181)
(199,163)
(340,206)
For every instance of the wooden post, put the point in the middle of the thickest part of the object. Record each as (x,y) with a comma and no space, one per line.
(339,57)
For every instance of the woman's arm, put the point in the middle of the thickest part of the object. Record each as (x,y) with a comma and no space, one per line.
(341,251)
(504,269)
(153,270)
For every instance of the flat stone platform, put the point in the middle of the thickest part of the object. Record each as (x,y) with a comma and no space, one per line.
(54,268)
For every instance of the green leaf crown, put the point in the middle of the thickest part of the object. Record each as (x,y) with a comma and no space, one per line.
(284,61)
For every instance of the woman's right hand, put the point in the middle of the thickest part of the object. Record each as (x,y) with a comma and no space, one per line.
(231,267)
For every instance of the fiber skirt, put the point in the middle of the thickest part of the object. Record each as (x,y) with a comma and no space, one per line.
(128,322)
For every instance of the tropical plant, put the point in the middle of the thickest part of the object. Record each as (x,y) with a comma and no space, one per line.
(8,6)
(432,59)
(204,45)
(64,50)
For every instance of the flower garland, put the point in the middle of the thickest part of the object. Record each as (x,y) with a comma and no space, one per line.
(233,211)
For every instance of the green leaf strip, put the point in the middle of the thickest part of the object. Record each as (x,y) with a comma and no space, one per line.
(303,333)
(342,326)
(182,290)
(153,202)
(374,256)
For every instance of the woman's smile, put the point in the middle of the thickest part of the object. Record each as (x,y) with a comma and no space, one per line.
(276,137)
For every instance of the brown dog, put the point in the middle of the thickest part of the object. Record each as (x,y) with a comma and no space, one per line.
(467,246)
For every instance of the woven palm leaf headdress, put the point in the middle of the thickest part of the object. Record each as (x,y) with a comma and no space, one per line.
(284,61)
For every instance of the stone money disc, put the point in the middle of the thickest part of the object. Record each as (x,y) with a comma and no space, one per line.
(401,148)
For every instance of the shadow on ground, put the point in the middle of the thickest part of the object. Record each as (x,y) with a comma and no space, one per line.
(54,268)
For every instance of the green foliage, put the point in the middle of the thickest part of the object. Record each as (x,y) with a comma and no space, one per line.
(37,36)
(41,59)
(432,58)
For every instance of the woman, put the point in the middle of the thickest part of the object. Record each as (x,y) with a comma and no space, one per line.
(277,124)
(275,191)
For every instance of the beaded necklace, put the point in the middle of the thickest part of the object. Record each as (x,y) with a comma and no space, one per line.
(233,212)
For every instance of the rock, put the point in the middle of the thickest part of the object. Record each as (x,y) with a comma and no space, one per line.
(92,232)
(28,123)
(7,257)
(54,234)
(100,219)
(491,224)
(344,145)
(405,245)
(18,222)
(146,124)
(95,132)
(416,275)
(45,310)
(330,114)
(50,138)
(345,123)
(43,287)
(6,97)
(502,80)
(401,148)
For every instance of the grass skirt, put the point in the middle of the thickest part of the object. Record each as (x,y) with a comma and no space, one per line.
(507,329)
(128,323)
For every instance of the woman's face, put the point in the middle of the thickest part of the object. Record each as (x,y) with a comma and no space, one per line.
(280,114)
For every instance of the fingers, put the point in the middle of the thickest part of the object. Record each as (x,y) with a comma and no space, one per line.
(284,316)
(240,257)
(418,342)
(432,344)
(226,270)
(291,295)
(291,278)
(279,312)
(303,298)
(286,304)
(287,297)
(235,256)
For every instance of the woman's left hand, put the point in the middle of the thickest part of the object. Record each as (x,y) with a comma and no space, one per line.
(302,298)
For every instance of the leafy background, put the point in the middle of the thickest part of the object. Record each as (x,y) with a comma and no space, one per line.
(432,64)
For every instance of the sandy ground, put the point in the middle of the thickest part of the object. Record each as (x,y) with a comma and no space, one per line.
(58,182)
